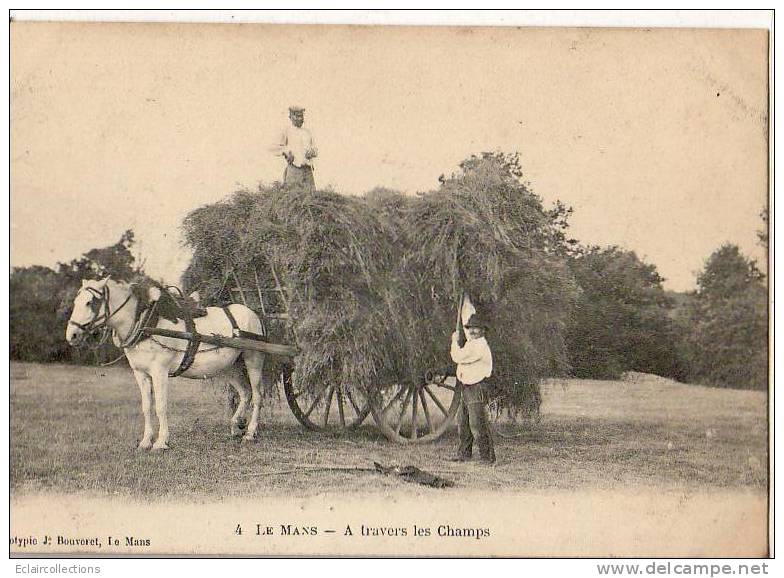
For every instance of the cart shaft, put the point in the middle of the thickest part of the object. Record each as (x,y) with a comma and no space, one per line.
(278,349)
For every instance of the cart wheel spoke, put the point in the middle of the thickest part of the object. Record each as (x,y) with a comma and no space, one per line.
(352,402)
(415,403)
(397,396)
(426,410)
(437,402)
(433,424)
(313,405)
(329,405)
(403,409)
(340,407)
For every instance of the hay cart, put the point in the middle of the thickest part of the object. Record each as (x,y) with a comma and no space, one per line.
(404,413)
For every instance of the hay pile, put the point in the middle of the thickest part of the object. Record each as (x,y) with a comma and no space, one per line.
(484,232)
(375,281)
(330,250)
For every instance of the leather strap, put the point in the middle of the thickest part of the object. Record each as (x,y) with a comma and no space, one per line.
(193,343)
(236,331)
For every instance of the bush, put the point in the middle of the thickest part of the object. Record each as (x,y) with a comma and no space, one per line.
(622,321)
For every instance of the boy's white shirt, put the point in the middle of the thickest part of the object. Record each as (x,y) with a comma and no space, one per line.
(474,360)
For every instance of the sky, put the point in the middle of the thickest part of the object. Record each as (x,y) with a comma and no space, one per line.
(656,138)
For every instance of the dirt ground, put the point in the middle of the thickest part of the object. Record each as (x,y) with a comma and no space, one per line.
(75,430)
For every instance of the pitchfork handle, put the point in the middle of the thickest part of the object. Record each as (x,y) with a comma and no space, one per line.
(459,323)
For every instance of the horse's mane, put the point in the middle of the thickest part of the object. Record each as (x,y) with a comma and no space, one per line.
(168,307)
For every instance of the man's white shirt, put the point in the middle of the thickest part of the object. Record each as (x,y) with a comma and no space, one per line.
(474,360)
(298,141)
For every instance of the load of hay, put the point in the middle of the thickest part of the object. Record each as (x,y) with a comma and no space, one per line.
(374,282)
(328,250)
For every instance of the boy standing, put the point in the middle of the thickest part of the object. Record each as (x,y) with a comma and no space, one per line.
(474,365)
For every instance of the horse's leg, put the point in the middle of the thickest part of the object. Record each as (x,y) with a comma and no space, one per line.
(160,385)
(254,363)
(236,379)
(145,388)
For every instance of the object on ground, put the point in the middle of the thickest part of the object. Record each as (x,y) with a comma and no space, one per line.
(415,475)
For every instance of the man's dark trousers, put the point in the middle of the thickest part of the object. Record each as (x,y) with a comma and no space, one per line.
(474,423)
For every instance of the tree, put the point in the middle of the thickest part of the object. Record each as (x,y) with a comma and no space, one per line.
(116,260)
(621,321)
(34,295)
(728,343)
(727,274)
(41,299)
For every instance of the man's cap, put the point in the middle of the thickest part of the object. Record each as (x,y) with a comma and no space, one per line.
(476,320)
(296,108)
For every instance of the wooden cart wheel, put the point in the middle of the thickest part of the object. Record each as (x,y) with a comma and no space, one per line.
(416,413)
(337,408)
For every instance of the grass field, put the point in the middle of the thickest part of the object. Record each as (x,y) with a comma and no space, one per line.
(75,429)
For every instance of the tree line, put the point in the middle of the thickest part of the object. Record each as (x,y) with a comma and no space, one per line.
(625,321)
(40,300)
(622,319)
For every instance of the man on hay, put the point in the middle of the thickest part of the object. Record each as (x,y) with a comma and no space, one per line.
(296,145)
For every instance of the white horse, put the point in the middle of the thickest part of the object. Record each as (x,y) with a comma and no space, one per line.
(115,305)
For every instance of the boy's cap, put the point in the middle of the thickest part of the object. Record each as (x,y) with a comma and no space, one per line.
(296,108)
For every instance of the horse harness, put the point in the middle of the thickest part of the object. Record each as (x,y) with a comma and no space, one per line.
(184,313)
(99,321)
(147,318)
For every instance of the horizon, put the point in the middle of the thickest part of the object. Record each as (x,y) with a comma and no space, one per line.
(140,258)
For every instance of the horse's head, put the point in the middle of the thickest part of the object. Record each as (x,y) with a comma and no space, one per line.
(90,310)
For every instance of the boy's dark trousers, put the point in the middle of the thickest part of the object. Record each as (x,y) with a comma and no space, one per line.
(474,424)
